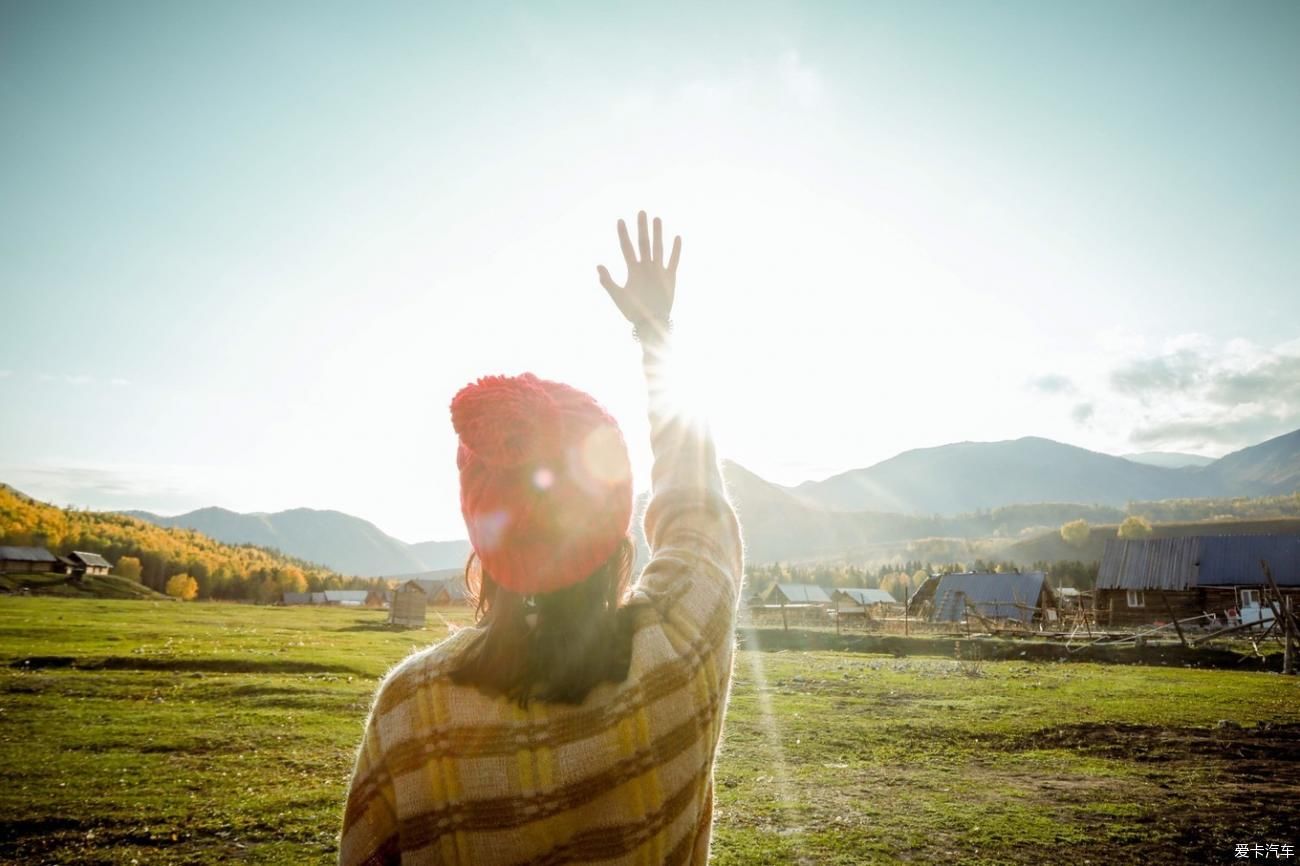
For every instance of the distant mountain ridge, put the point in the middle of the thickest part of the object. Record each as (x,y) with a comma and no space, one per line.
(969,476)
(967,489)
(345,543)
(1168,459)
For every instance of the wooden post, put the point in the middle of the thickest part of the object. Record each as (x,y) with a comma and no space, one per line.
(1285,612)
(785,624)
(837,615)
(1288,651)
(1178,627)
(907,603)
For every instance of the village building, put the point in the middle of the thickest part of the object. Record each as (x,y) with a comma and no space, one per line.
(809,594)
(860,603)
(409,605)
(861,597)
(441,587)
(1158,579)
(27,560)
(346,597)
(84,562)
(297,598)
(1022,597)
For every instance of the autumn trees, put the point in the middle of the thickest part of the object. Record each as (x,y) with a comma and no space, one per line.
(1076,533)
(153,555)
(182,586)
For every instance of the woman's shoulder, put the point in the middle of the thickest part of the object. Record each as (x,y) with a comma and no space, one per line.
(423,668)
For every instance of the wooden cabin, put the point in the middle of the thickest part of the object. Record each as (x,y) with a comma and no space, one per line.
(84,562)
(1158,579)
(806,594)
(1022,597)
(27,560)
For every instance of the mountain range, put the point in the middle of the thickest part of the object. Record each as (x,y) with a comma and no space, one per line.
(964,490)
(348,544)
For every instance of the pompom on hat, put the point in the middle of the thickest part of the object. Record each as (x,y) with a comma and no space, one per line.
(545,481)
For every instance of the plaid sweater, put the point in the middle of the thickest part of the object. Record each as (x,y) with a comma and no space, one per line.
(448,775)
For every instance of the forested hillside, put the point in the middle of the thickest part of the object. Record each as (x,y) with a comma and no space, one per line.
(222,571)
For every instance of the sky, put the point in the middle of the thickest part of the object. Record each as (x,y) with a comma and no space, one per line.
(249,251)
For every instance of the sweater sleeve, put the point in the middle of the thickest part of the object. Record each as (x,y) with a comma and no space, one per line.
(690,526)
(370,835)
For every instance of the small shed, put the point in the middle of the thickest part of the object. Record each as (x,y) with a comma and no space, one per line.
(27,560)
(809,594)
(84,562)
(1015,596)
(409,605)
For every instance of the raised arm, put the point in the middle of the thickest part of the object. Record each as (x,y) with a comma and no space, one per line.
(690,526)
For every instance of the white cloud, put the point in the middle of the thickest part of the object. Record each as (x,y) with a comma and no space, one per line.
(1199,396)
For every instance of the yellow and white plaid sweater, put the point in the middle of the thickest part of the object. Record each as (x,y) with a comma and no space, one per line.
(449,775)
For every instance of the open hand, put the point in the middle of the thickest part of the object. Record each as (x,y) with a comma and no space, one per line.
(647,298)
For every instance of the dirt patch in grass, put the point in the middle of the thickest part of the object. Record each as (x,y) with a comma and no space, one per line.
(1247,790)
(1265,742)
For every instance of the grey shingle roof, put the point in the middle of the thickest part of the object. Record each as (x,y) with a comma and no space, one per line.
(1228,560)
(868,596)
(93,559)
(1198,560)
(26,554)
(803,593)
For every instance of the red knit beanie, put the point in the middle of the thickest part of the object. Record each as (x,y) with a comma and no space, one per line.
(545,481)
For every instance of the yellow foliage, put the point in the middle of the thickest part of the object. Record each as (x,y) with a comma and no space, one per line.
(1135,526)
(218,570)
(129,567)
(1076,533)
(182,586)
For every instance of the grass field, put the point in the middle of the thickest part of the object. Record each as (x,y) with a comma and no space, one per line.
(155,732)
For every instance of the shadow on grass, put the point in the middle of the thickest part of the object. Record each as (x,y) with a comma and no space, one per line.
(381,627)
(200,665)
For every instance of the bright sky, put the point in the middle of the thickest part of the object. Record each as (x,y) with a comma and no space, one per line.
(249,251)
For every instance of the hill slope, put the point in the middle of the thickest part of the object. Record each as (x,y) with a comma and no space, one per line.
(1269,467)
(88,586)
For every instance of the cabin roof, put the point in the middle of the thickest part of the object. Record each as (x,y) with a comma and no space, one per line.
(90,559)
(1005,595)
(26,554)
(803,593)
(1175,564)
(861,595)
(346,594)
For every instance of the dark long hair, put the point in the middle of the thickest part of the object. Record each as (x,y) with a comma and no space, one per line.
(555,646)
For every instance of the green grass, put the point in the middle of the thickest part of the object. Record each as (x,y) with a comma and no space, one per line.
(159,732)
